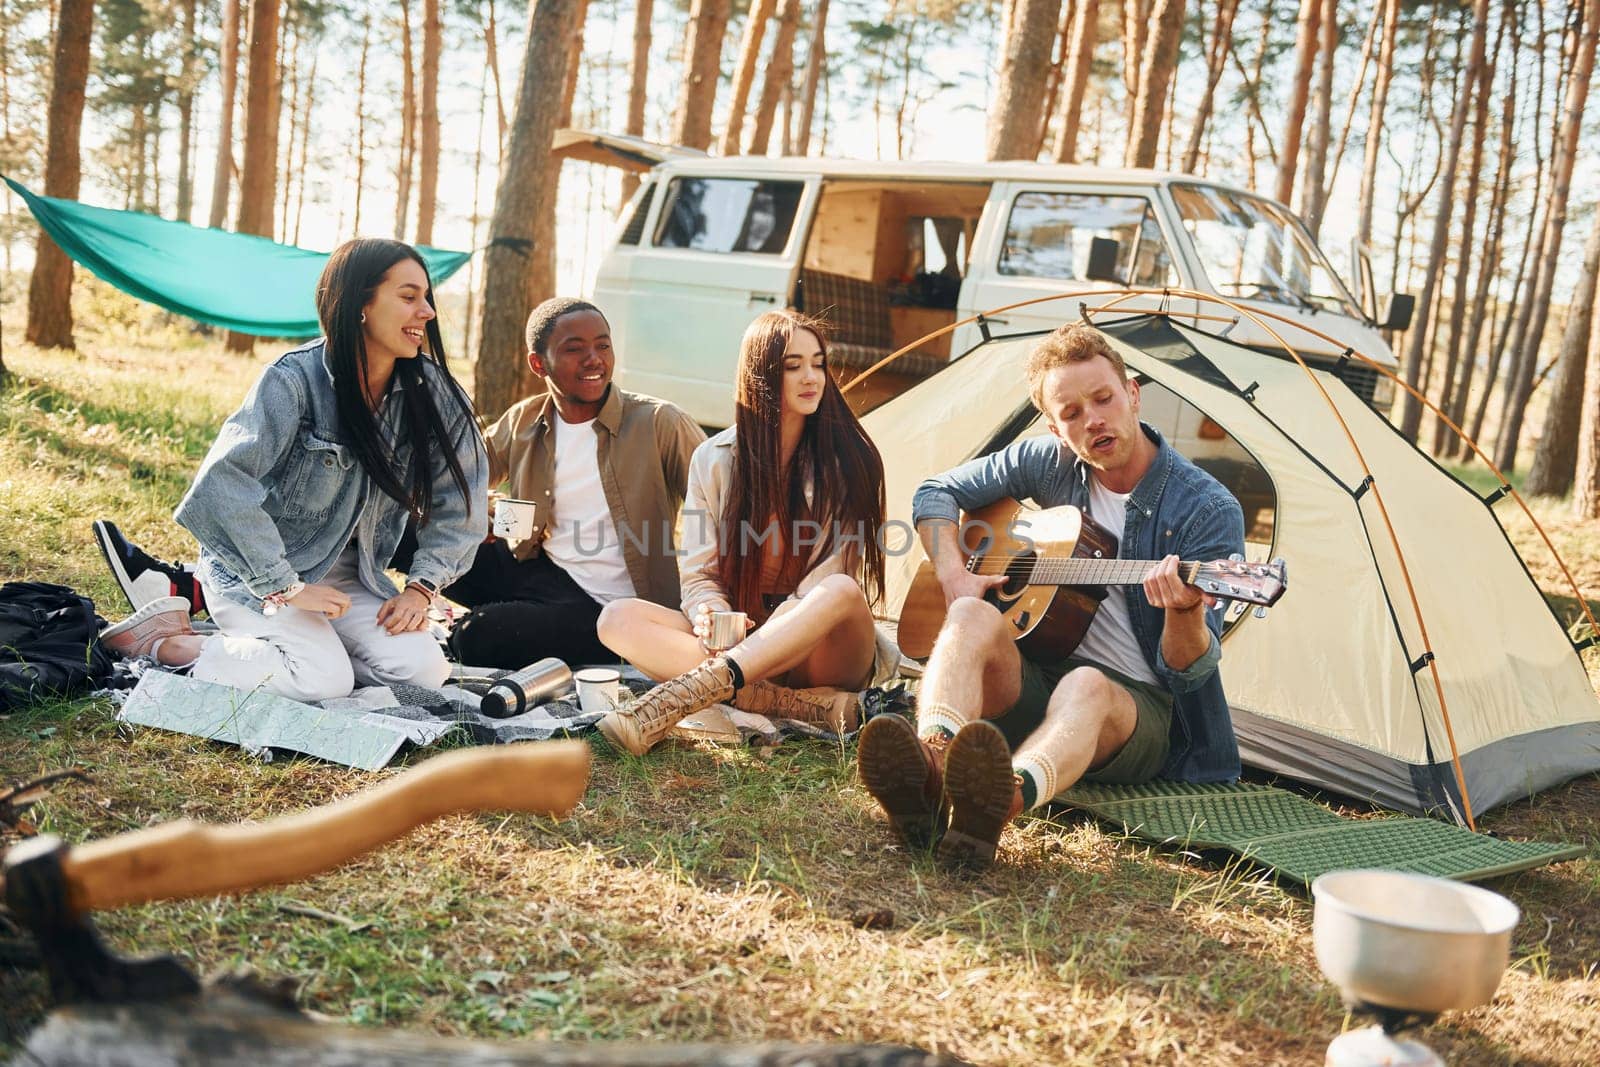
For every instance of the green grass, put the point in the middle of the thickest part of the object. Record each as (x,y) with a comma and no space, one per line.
(697,893)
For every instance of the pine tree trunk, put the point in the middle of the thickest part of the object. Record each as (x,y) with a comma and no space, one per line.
(291,51)
(476,217)
(1155,73)
(1487,272)
(1080,59)
(1019,97)
(1313,191)
(541,270)
(708,22)
(186,117)
(1306,47)
(1411,408)
(755,31)
(260,168)
(816,58)
(1507,312)
(1555,459)
(638,84)
(305,144)
(1555,220)
(1459,357)
(50,287)
(521,197)
(1216,62)
(428,179)
(569,88)
(1351,104)
(1059,47)
(1136,18)
(222,178)
(1380,98)
(361,118)
(1252,92)
(405,166)
(491,44)
(1586,490)
(780,68)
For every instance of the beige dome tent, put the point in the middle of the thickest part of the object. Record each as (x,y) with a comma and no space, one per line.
(1335,686)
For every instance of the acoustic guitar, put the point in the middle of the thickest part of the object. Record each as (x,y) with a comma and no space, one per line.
(1058,563)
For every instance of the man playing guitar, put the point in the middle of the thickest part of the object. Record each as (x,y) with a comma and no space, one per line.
(999,732)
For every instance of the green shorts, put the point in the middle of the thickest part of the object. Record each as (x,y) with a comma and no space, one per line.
(1145,752)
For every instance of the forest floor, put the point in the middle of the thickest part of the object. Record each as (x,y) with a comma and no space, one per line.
(703,893)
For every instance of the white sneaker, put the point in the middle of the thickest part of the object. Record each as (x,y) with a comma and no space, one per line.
(140,633)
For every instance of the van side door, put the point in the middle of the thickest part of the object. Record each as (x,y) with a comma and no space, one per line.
(713,252)
(1037,240)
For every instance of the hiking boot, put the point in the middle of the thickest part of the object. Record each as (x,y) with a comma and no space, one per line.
(905,775)
(834,709)
(140,633)
(141,577)
(983,796)
(639,726)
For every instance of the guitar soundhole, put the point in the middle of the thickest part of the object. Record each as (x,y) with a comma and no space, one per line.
(1017,575)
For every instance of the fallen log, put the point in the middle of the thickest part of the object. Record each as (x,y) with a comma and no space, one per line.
(216,1029)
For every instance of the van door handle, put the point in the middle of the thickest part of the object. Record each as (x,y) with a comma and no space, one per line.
(763,298)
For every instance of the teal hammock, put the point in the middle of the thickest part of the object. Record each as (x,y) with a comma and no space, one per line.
(233,280)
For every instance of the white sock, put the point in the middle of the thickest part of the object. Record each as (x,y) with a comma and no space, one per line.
(935,719)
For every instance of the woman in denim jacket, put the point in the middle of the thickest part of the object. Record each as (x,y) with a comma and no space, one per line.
(781,521)
(307,491)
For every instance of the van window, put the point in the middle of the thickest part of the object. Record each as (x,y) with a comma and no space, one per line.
(728,215)
(635,227)
(1048,236)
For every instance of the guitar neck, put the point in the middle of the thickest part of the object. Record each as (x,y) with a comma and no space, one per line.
(1071,570)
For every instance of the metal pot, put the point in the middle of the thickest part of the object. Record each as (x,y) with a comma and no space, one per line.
(1410,942)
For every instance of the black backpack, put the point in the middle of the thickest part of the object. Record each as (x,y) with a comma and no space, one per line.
(49,643)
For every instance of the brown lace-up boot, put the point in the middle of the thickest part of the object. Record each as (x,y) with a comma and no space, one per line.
(835,709)
(640,726)
(904,774)
(984,794)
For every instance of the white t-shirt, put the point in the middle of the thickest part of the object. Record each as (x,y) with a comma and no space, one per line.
(1110,640)
(583,538)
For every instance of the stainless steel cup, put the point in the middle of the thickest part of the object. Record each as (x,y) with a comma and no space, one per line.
(727,629)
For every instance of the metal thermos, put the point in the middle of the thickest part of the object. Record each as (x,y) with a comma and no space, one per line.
(531,686)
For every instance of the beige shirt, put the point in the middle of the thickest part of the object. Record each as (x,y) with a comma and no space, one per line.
(644,446)
(710,471)
(709,474)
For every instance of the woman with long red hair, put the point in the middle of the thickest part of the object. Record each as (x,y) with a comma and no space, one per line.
(781,522)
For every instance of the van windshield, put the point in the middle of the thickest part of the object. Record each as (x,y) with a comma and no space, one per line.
(728,215)
(1250,247)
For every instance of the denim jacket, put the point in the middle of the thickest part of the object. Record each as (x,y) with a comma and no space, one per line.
(1176,508)
(280,494)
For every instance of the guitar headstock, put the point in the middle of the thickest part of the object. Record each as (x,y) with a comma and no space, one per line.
(1234,579)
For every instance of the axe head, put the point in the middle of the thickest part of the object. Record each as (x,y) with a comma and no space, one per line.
(81,968)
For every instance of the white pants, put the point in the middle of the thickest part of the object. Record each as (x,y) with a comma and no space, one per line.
(304,655)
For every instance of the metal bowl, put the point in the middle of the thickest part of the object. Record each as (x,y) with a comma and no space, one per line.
(1410,942)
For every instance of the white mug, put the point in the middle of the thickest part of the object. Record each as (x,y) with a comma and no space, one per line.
(513,518)
(599,689)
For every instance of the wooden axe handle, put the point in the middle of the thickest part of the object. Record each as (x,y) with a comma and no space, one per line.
(178,860)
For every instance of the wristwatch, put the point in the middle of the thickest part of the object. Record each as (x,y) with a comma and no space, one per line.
(428,588)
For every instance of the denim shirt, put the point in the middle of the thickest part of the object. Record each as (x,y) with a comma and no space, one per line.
(1176,508)
(280,494)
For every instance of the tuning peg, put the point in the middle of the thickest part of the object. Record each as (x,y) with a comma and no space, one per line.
(1261,611)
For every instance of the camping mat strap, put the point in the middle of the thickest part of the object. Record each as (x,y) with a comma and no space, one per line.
(1299,839)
